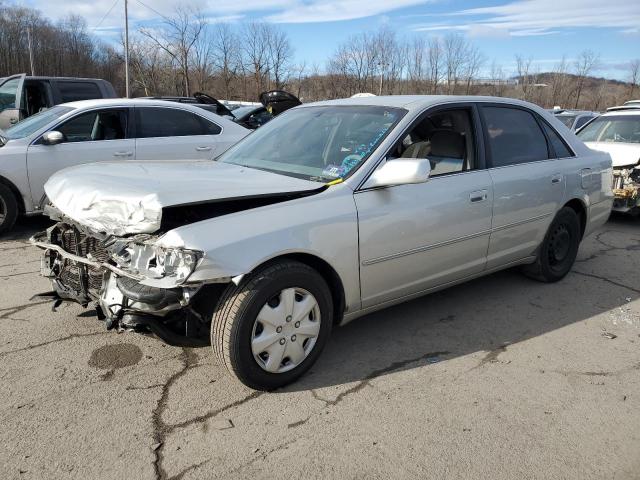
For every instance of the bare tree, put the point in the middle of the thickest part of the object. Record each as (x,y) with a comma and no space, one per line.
(634,76)
(178,37)
(587,61)
(434,62)
(280,54)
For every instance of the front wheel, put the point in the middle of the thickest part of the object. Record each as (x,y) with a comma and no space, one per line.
(558,250)
(271,328)
(8,209)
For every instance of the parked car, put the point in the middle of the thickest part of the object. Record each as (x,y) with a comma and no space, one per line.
(617,133)
(22,96)
(200,100)
(328,212)
(574,119)
(250,116)
(99,130)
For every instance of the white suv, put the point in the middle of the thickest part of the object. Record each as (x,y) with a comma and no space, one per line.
(99,130)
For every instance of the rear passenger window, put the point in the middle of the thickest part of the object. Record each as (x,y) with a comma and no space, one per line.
(561,149)
(514,136)
(75,91)
(171,122)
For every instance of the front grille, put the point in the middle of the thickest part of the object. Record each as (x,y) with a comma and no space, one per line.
(77,277)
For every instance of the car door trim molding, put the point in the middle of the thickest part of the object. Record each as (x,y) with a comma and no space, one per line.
(521,222)
(452,241)
(424,248)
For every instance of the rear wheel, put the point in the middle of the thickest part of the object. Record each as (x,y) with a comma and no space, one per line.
(271,328)
(558,250)
(8,209)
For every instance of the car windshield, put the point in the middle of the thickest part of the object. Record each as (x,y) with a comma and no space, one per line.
(323,143)
(612,128)
(566,119)
(34,123)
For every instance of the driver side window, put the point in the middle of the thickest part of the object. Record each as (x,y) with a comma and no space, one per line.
(95,125)
(445,138)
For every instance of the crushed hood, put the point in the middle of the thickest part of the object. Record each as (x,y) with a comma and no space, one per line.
(125,198)
(622,154)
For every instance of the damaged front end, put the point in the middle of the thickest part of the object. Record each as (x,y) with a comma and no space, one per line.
(626,187)
(132,283)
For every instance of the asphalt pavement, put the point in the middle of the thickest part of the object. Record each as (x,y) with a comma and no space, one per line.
(499,378)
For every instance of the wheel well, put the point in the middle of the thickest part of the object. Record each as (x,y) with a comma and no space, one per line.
(16,193)
(581,211)
(330,276)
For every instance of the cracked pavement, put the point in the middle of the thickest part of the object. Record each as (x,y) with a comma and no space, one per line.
(500,378)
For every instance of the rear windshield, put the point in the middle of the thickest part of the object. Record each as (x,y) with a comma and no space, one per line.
(612,129)
(34,123)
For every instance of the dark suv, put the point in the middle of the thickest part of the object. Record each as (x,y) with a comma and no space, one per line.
(22,96)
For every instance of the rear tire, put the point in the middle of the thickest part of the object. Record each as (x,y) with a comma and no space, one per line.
(558,250)
(8,209)
(260,330)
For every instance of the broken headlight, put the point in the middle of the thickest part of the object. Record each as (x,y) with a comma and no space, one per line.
(174,264)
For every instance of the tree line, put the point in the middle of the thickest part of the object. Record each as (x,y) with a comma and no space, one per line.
(185,53)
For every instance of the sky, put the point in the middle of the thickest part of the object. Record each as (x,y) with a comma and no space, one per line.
(544,30)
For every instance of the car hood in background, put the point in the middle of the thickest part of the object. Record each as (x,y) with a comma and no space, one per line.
(622,154)
(128,198)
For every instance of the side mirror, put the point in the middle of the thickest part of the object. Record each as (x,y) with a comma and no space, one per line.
(53,137)
(400,171)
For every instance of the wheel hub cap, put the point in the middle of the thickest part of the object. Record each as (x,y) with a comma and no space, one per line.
(285,330)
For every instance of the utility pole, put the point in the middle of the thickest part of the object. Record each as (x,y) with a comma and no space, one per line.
(126,48)
(30,49)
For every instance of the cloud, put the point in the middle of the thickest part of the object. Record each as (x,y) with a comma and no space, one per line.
(338,10)
(541,17)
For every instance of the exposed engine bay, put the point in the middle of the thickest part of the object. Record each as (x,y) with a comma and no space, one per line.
(626,187)
(110,273)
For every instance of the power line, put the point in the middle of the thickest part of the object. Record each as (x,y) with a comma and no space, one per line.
(105,15)
(152,9)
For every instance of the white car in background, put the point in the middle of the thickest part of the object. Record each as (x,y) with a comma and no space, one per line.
(99,130)
(617,133)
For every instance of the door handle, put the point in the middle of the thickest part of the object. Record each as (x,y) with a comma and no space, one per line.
(557,178)
(478,196)
(203,149)
(123,154)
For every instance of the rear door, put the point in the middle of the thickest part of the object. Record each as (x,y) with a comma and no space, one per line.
(416,237)
(528,182)
(91,136)
(11,90)
(167,133)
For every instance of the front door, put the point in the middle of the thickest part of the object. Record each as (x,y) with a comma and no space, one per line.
(527,180)
(417,237)
(94,136)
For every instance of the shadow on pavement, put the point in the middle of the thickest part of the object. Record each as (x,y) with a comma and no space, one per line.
(25,227)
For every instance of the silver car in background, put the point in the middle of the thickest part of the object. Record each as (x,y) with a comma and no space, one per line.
(329,212)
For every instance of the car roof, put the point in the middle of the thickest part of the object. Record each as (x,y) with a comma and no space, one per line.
(420,102)
(131,102)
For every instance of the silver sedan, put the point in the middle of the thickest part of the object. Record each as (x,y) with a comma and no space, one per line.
(329,212)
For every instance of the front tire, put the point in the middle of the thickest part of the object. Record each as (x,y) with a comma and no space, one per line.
(271,328)
(558,250)
(8,209)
